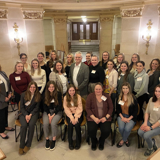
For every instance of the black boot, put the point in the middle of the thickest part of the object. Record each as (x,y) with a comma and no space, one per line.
(101,143)
(94,144)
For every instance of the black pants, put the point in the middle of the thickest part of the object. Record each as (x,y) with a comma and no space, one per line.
(17,97)
(141,101)
(23,130)
(3,119)
(105,129)
(77,128)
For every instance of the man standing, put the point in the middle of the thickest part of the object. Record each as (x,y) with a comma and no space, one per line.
(79,75)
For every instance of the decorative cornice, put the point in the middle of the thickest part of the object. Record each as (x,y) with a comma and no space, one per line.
(132,12)
(60,20)
(106,19)
(33,14)
(3,13)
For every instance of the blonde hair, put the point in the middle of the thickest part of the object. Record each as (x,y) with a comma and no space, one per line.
(32,69)
(70,54)
(129,95)
(15,70)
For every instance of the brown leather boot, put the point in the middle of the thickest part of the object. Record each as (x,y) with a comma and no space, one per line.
(26,149)
(21,151)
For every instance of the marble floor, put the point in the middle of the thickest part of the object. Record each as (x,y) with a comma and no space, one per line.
(62,152)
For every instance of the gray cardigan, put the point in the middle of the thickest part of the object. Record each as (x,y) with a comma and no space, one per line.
(141,83)
(82,78)
(3,93)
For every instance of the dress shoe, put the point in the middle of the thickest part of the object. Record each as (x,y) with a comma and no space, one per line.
(26,149)
(21,151)
(101,147)
(71,147)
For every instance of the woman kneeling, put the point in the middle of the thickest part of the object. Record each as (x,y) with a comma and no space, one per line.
(52,112)
(29,107)
(127,109)
(73,109)
(151,125)
(99,109)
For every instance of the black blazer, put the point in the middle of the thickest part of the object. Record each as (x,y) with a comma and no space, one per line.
(133,109)
(33,108)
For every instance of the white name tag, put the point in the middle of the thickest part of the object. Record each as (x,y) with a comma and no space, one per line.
(72,104)
(121,103)
(52,69)
(103,98)
(122,74)
(28,103)
(52,101)
(18,78)
(93,71)
(155,108)
(65,74)
(1,81)
(119,77)
(107,76)
(139,79)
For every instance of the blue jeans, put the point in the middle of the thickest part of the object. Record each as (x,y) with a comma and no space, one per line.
(125,128)
(149,134)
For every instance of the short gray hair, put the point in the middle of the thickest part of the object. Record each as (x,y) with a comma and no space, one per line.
(78,52)
(95,56)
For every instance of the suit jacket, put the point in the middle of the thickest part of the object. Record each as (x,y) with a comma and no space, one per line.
(55,77)
(82,78)
(33,108)
(3,93)
(92,109)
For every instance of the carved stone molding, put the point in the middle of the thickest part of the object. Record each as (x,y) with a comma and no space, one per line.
(3,13)
(132,12)
(106,19)
(33,14)
(60,20)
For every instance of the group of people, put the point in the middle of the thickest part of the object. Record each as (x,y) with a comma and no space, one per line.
(108,86)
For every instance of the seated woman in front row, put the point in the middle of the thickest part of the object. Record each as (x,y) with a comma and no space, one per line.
(99,109)
(127,109)
(73,109)
(151,125)
(52,113)
(29,107)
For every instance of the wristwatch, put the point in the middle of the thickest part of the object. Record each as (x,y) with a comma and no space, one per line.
(106,118)
(151,128)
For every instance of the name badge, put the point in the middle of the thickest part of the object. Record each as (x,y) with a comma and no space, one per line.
(72,104)
(122,74)
(107,76)
(18,78)
(1,81)
(139,79)
(119,77)
(93,71)
(155,108)
(65,74)
(121,103)
(52,69)
(103,98)
(28,103)
(52,101)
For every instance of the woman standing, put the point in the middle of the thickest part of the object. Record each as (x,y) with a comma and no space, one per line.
(151,125)
(141,86)
(73,109)
(154,74)
(105,58)
(70,60)
(120,59)
(124,76)
(96,74)
(133,66)
(19,80)
(42,64)
(27,67)
(38,75)
(5,95)
(59,77)
(51,62)
(110,82)
(99,110)
(29,107)
(127,109)
(52,113)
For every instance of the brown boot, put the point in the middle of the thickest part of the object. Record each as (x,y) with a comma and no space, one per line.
(21,151)
(26,149)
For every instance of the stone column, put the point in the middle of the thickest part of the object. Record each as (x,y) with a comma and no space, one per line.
(131,18)
(60,33)
(106,26)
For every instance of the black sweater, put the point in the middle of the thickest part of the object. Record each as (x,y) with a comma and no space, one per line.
(133,109)
(56,108)
(98,76)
